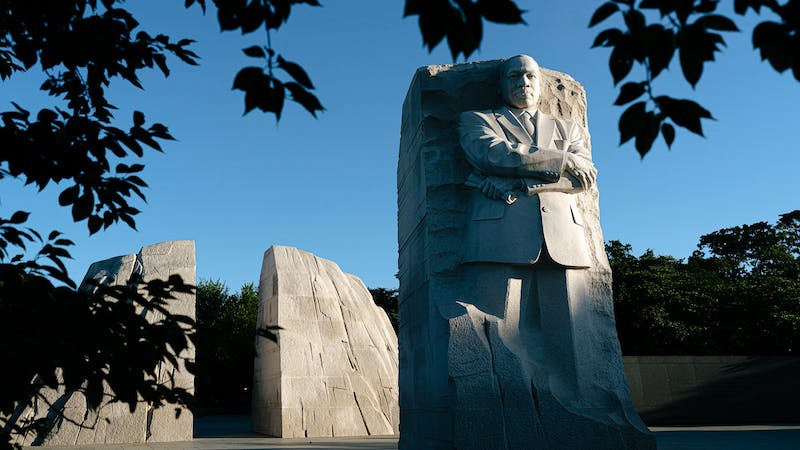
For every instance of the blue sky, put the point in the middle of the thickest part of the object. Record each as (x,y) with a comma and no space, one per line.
(237,185)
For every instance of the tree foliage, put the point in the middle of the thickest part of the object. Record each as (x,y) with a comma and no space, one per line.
(387,299)
(739,293)
(82,340)
(693,31)
(225,340)
(59,336)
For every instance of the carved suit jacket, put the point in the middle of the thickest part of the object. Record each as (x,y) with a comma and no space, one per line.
(497,145)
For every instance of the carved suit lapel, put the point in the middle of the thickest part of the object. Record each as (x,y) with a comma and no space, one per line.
(507,120)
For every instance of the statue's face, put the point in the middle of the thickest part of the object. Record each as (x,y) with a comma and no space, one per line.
(520,82)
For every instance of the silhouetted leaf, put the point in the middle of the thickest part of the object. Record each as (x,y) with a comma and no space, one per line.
(255,51)
(717,22)
(304,98)
(647,133)
(253,16)
(668,131)
(741,6)
(500,11)
(68,196)
(635,20)
(248,78)
(660,45)
(621,61)
(124,168)
(138,119)
(202,4)
(229,14)
(631,121)
(144,137)
(128,220)
(607,38)
(296,72)
(688,54)
(684,113)
(82,207)
(19,217)
(771,39)
(629,92)
(412,7)
(433,15)
(603,12)
(46,115)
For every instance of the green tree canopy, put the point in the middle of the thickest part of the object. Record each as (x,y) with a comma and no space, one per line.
(739,293)
(225,344)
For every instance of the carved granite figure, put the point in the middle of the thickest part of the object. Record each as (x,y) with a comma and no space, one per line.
(524,219)
(502,268)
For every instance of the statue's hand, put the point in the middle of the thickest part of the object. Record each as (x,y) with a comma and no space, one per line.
(498,188)
(582,169)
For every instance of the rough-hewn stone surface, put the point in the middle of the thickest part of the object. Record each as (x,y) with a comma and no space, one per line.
(333,371)
(113,423)
(463,385)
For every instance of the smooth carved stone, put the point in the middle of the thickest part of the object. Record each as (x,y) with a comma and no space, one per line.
(333,371)
(503,346)
(113,423)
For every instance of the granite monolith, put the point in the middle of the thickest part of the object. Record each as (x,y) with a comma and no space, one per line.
(507,334)
(333,369)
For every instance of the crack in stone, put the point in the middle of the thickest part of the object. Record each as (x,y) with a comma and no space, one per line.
(360,411)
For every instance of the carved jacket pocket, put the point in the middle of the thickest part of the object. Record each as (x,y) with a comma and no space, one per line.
(488,210)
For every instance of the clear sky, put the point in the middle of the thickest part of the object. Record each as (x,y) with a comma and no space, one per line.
(237,185)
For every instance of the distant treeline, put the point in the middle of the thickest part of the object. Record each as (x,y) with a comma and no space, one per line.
(738,294)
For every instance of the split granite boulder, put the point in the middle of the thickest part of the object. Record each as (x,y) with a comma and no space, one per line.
(333,370)
(113,423)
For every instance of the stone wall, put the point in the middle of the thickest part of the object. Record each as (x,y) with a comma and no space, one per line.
(333,371)
(673,390)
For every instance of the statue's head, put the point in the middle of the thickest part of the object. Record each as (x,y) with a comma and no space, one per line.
(519,82)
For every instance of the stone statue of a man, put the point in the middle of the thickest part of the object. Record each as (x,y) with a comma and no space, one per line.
(507,336)
(524,222)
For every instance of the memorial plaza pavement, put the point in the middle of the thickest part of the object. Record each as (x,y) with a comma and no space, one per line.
(231,433)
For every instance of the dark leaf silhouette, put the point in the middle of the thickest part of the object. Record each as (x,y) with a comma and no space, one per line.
(631,121)
(296,72)
(255,51)
(603,12)
(305,98)
(630,92)
(668,131)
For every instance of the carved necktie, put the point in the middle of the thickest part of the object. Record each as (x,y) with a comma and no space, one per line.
(527,123)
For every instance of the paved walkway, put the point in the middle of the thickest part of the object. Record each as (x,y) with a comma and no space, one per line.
(231,433)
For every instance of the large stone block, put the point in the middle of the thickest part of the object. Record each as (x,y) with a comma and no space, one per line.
(113,423)
(333,371)
(472,377)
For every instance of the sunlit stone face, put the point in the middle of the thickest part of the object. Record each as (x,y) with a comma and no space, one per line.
(520,82)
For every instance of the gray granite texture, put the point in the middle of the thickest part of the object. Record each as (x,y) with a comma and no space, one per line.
(470,376)
(333,371)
